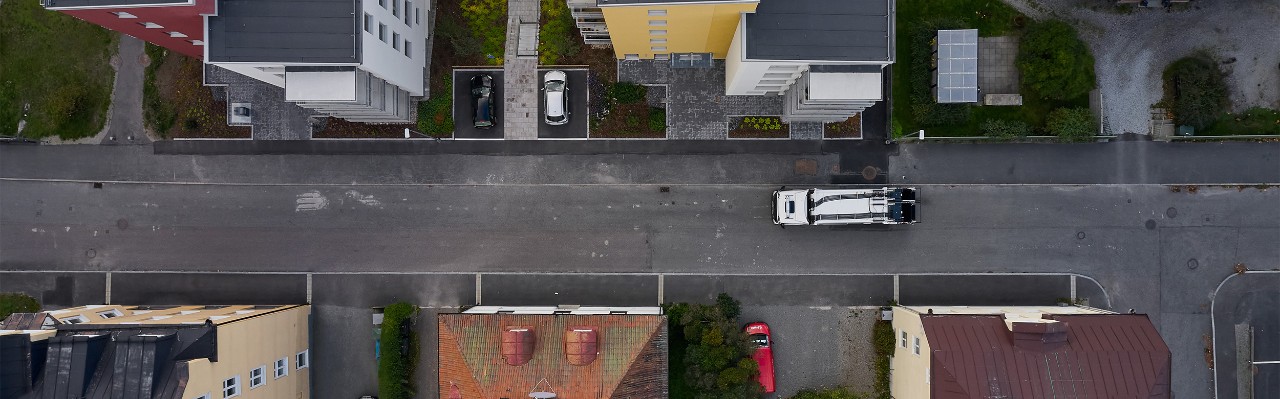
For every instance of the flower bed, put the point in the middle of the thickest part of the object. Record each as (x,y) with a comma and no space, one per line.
(341,128)
(849,129)
(627,115)
(758,127)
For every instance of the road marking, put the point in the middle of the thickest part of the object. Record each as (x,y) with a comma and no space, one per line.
(477,289)
(308,287)
(895,288)
(1073,289)
(108,293)
(660,288)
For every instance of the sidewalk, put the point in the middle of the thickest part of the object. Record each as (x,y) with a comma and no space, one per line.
(520,87)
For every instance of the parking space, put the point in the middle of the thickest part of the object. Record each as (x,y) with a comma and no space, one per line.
(57,290)
(208,288)
(577,126)
(569,289)
(370,290)
(984,290)
(818,346)
(464,107)
(806,290)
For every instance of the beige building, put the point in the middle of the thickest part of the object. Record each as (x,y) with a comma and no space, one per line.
(158,352)
(961,352)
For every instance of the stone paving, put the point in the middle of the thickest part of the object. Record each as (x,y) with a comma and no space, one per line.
(698,107)
(273,117)
(520,86)
(997,70)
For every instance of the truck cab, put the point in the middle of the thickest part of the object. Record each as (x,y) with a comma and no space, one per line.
(888,205)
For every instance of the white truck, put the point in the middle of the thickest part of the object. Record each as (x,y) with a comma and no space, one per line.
(887,205)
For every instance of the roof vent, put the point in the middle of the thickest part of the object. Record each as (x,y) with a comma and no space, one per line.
(517,345)
(581,346)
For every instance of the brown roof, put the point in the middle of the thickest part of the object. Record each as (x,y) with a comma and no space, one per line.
(629,358)
(23,321)
(1104,356)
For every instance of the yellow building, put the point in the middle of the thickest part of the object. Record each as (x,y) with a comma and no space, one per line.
(826,56)
(158,352)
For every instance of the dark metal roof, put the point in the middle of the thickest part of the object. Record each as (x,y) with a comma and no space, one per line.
(819,30)
(294,31)
(15,365)
(140,362)
(1104,356)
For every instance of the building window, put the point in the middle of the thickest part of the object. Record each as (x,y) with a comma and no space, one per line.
(282,367)
(231,387)
(124,15)
(657,22)
(657,13)
(382,3)
(151,25)
(904,338)
(395,41)
(301,360)
(417,16)
(110,313)
(658,32)
(198,42)
(916,346)
(662,57)
(77,319)
(177,34)
(257,377)
(632,57)
(407,6)
(382,32)
(657,41)
(368,23)
(205,396)
(395,8)
(658,49)
(408,49)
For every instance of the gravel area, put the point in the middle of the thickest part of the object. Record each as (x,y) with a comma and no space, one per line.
(1132,49)
(857,363)
(810,340)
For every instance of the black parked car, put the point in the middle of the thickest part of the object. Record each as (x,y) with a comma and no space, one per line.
(482,100)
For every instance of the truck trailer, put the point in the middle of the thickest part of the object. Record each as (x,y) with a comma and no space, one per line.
(814,206)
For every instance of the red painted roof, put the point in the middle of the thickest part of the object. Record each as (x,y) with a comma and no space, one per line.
(622,356)
(1103,356)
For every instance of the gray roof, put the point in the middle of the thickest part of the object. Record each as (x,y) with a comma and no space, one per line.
(295,31)
(820,30)
(957,70)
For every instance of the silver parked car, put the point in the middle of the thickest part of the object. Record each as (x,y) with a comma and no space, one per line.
(556,97)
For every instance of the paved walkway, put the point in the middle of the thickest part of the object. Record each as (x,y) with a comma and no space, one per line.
(273,117)
(520,86)
(997,72)
(125,125)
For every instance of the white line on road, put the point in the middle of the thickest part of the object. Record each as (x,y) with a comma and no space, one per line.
(895,288)
(660,288)
(1073,288)
(107,299)
(308,287)
(477,289)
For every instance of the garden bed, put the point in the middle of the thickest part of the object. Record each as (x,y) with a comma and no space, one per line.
(848,129)
(186,107)
(758,127)
(631,121)
(334,128)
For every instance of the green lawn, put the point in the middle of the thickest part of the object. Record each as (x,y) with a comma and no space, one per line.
(1255,121)
(59,65)
(991,18)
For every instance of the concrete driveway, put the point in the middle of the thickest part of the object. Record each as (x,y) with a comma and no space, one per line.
(577,126)
(463,109)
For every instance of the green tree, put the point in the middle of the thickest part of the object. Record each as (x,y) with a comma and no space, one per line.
(831,393)
(717,362)
(11,303)
(1071,124)
(1199,92)
(396,362)
(1054,62)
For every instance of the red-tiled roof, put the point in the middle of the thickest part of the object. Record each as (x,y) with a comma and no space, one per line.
(629,359)
(1104,356)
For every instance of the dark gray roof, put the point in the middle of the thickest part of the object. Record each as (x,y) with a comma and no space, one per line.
(118,361)
(305,31)
(100,3)
(822,30)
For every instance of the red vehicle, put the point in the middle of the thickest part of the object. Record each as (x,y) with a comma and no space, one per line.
(760,337)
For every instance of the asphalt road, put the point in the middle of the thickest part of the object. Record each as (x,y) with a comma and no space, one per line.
(1246,315)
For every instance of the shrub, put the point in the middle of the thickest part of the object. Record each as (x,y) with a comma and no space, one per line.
(1054,62)
(397,361)
(657,119)
(717,357)
(934,114)
(627,92)
(557,38)
(158,113)
(435,116)
(15,302)
(833,393)
(1199,92)
(1005,129)
(924,107)
(488,22)
(1071,124)
(465,44)
(882,340)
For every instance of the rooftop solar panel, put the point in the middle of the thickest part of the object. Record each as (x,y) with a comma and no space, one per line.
(957,75)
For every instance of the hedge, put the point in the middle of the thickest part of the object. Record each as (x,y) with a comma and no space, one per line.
(397,362)
(1071,124)
(1199,92)
(1054,62)
(11,303)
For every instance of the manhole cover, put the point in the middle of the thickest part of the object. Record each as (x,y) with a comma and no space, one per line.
(122,224)
(1080,235)
(1193,263)
(1151,224)
(91,253)
(870,172)
(1171,212)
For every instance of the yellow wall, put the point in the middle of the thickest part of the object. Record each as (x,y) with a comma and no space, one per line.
(907,380)
(258,341)
(691,28)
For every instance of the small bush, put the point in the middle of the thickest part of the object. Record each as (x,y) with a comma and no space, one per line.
(15,302)
(657,119)
(833,393)
(1199,92)
(557,38)
(488,22)
(882,339)
(158,113)
(435,115)
(1071,124)
(465,44)
(1054,62)
(627,92)
(397,362)
(1005,129)
(934,114)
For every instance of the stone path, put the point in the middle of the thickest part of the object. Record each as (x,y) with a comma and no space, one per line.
(520,86)
(273,117)
(997,70)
